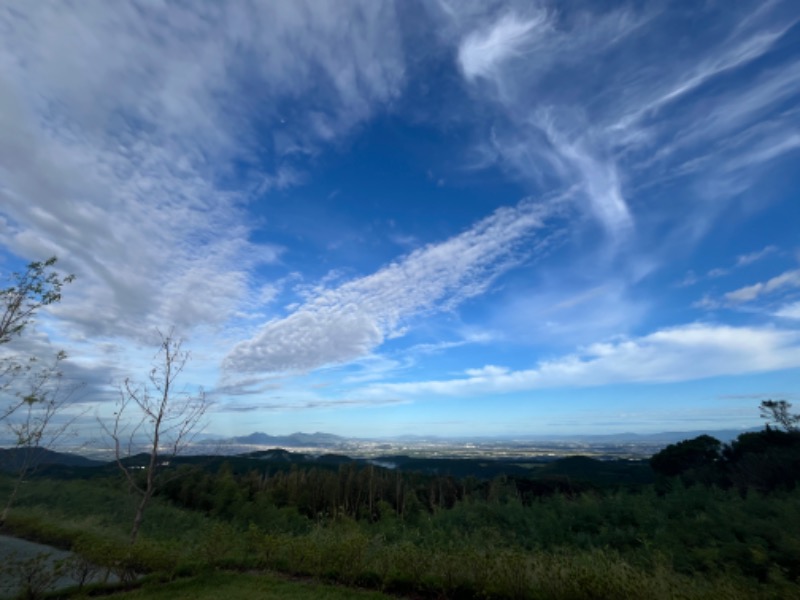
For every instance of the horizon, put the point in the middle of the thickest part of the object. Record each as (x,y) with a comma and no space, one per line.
(380,219)
(608,446)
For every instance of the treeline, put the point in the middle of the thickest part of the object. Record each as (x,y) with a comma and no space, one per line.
(360,492)
(762,461)
(679,541)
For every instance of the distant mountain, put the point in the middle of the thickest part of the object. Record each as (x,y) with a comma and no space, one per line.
(295,440)
(335,442)
(11,459)
(663,437)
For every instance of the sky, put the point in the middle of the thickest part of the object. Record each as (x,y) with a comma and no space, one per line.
(376,218)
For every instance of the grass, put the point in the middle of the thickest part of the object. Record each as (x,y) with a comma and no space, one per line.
(219,584)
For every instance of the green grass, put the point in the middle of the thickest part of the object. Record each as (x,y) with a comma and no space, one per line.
(242,586)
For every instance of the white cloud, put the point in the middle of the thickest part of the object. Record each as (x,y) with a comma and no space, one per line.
(599,176)
(741,48)
(543,133)
(677,354)
(575,100)
(743,260)
(346,322)
(789,311)
(483,51)
(119,122)
(789,279)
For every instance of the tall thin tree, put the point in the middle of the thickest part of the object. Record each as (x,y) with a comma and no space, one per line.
(163,417)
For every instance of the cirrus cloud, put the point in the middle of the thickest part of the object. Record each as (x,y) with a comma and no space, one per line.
(344,323)
(681,353)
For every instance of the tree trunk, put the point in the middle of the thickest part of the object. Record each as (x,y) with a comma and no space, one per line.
(137,520)
(11,498)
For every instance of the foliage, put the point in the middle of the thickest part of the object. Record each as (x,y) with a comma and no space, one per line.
(702,451)
(715,529)
(32,577)
(40,285)
(37,393)
(263,586)
(690,542)
(777,411)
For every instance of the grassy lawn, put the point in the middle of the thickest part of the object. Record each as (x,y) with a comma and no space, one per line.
(242,586)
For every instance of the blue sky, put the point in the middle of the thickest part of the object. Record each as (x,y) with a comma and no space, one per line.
(382,218)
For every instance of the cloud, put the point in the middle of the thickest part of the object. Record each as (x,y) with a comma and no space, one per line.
(121,125)
(743,46)
(681,353)
(481,52)
(347,322)
(789,311)
(789,279)
(599,176)
(743,260)
(574,100)
(518,54)
(299,404)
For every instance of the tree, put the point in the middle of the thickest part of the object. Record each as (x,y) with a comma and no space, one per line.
(777,411)
(675,459)
(768,459)
(35,392)
(34,425)
(38,286)
(166,418)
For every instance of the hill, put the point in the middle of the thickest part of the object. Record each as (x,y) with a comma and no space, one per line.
(12,459)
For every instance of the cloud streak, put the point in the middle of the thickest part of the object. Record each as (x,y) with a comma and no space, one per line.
(483,52)
(676,354)
(789,279)
(615,131)
(347,322)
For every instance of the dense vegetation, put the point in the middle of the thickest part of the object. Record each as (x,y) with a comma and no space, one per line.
(715,522)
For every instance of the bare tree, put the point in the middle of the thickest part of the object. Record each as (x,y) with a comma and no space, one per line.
(156,412)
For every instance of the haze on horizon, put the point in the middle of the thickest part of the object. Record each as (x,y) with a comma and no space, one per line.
(376,218)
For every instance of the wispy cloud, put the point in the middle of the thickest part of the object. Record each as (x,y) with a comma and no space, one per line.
(483,51)
(618,131)
(789,279)
(743,260)
(535,130)
(789,311)
(347,322)
(742,47)
(677,354)
(299,404)
(120,125)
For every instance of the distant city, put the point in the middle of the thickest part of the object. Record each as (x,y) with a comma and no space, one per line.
(610,446)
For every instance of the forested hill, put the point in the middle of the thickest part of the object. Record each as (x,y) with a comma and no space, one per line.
(14,459)
(575,468)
